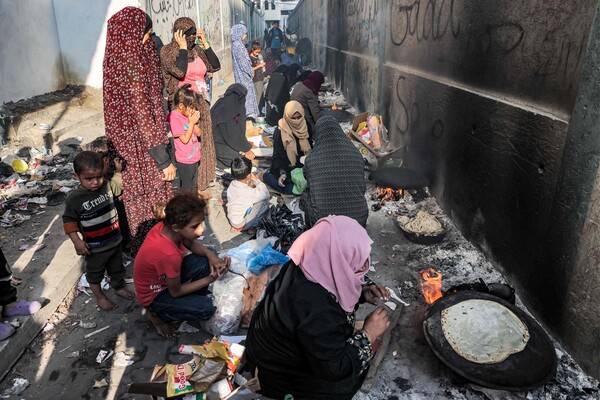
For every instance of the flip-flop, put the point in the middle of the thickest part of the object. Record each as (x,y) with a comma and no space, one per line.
(6,331)
(22,308)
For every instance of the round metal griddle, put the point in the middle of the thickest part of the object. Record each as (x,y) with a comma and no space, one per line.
(532,367)
(399,178)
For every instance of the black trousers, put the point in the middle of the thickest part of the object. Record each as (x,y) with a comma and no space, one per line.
(188,176)
(8,293)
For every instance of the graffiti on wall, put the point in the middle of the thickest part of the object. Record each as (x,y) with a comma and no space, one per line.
(165,12)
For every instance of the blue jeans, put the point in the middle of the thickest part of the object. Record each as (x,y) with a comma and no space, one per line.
(270,180)
(193,307)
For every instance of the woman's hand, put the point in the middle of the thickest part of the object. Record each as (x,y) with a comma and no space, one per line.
(370,292)
(194,117)
(180,40)
(202,36)
(169,173)
(250,155)
(376,324)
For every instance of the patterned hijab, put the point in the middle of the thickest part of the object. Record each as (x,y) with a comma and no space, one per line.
(294,128)
(335,253)
(314,81)
(127,63)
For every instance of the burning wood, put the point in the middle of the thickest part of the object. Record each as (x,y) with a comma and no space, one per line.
(336,107)
(432,285)
(384,194)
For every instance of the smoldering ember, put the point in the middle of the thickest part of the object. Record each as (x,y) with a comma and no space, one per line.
(299,199)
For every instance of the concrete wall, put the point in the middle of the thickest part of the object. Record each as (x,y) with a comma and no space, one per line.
(82,37)
(478,96)
(30,61)
(50,43)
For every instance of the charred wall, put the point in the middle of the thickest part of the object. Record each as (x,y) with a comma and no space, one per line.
(479,96)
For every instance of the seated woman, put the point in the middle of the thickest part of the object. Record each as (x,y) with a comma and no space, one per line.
(291,141)
(229,126)
(307,94)
(302,339)
(277,94)
(334,171)
(170,286)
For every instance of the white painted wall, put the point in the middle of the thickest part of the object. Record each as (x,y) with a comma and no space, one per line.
(30,61)
(82,36)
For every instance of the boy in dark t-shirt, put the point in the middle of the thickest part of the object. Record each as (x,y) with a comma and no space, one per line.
(90,210)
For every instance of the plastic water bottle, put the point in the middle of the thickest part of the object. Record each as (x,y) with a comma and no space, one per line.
(261,59)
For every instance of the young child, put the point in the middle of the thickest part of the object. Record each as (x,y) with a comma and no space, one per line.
(247,196)
(100,146)
(90,210)
(258,65)
(183,122)
(170,285)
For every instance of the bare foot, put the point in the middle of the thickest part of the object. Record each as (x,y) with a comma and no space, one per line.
(162,328)
(105,304)
(124,293)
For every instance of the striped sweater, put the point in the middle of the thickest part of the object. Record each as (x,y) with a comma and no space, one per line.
(94,215)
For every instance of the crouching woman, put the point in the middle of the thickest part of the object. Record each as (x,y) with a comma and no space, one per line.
(171,285)
(302,340)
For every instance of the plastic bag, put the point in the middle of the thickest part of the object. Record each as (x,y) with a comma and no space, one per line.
(280,222)
(229,298)
(268,256)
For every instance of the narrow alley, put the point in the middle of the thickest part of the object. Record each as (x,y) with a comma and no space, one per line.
(477,127)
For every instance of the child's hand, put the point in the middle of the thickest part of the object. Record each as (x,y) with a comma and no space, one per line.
(194,117)
(249,155)
(118,165)
(281,180)
(81,248)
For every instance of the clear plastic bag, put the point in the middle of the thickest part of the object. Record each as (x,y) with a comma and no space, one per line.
(229,298)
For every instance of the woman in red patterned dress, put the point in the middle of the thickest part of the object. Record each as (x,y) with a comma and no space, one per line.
(134,118)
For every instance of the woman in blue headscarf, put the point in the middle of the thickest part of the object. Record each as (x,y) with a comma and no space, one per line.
(242,68)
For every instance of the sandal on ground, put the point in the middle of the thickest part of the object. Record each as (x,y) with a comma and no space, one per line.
(6,331)
(22,308)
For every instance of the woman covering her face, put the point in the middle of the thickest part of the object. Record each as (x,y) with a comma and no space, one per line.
(188,59)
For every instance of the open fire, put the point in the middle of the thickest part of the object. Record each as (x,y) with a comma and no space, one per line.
(384,194)
(336,107)
(432,285)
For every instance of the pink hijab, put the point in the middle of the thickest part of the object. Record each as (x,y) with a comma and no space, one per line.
(335,253)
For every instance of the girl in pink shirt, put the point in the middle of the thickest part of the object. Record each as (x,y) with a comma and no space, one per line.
(183,121)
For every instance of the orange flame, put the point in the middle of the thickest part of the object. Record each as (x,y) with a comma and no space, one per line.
(432,286)
(336,107)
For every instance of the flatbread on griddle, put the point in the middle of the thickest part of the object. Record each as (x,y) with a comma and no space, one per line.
(483,331)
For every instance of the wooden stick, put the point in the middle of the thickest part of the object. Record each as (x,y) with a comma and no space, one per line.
(383,347)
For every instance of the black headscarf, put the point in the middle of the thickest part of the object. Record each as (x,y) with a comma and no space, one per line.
(232,103)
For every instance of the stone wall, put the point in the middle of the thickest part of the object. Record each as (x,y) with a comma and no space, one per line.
(478,95)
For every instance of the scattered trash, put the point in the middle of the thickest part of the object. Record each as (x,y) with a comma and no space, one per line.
(394,296)
(34,248)
(371,268)
(187,328)
(100,384)
(391,305)
(96,332)
(104,355)
(48,327)
(396,247)
(122,360)
(87,325)
(18,386)
(15,323)
(74,354)
(83,283)
(68,347)
(394,353)
(221,82)
(45,127)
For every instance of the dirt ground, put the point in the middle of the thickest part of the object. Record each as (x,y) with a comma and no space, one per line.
(61,361)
